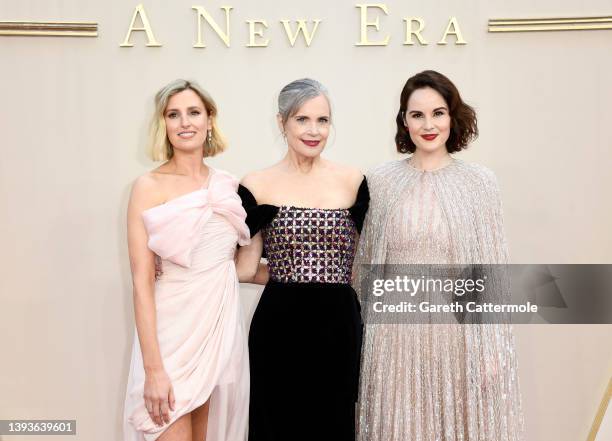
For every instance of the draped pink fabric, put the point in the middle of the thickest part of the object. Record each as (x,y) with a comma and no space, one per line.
(173,227)
(200,329)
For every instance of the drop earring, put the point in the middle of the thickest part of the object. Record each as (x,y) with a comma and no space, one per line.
(209,137)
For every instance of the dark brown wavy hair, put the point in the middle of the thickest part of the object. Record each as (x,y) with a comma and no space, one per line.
(464,128)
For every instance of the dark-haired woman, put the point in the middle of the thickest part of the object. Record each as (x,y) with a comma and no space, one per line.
(443,381)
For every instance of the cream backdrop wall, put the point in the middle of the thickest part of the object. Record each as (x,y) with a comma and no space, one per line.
(74,117)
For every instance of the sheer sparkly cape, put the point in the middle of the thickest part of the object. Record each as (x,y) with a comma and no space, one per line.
(395,401)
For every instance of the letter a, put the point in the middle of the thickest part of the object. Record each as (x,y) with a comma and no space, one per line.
(454,24)
(146,26)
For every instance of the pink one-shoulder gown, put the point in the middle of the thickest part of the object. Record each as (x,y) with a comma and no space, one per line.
(200,327)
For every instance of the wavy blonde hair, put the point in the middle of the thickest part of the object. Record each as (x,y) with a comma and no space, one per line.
(160,148)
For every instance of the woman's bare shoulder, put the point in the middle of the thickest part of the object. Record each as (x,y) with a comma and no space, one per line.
(260,180)
(147,189)
(351,176)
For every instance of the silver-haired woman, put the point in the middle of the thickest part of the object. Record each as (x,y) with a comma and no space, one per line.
(305,213)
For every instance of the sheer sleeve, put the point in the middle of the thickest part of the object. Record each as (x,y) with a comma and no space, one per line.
(360,207)
(258,216)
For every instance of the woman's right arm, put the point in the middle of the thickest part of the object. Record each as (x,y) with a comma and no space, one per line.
(158,394)
(248,265)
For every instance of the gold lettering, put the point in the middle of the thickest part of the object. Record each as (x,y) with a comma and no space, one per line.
(146,26)
(454,24)
(365,24)
(417,33)
(303,29)
(257,33)
(203,14)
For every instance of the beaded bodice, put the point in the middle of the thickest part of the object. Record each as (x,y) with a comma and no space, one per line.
(310,245)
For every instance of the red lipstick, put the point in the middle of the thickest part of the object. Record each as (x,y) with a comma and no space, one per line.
(429,137)
(310,143)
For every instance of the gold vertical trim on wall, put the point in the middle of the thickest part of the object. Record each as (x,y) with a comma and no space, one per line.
(601,412)
(49,28)
(549,24)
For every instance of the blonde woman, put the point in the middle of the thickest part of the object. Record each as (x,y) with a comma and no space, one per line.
(189,377)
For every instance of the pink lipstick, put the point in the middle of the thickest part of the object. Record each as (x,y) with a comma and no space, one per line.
(310,143)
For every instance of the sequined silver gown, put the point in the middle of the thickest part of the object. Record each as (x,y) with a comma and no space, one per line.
(436,382)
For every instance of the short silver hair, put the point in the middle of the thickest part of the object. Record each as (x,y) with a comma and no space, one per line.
(296,93)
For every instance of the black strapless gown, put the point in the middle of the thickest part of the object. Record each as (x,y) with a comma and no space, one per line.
(305,337)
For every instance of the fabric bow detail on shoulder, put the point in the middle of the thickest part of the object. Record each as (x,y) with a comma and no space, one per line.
(173,227)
